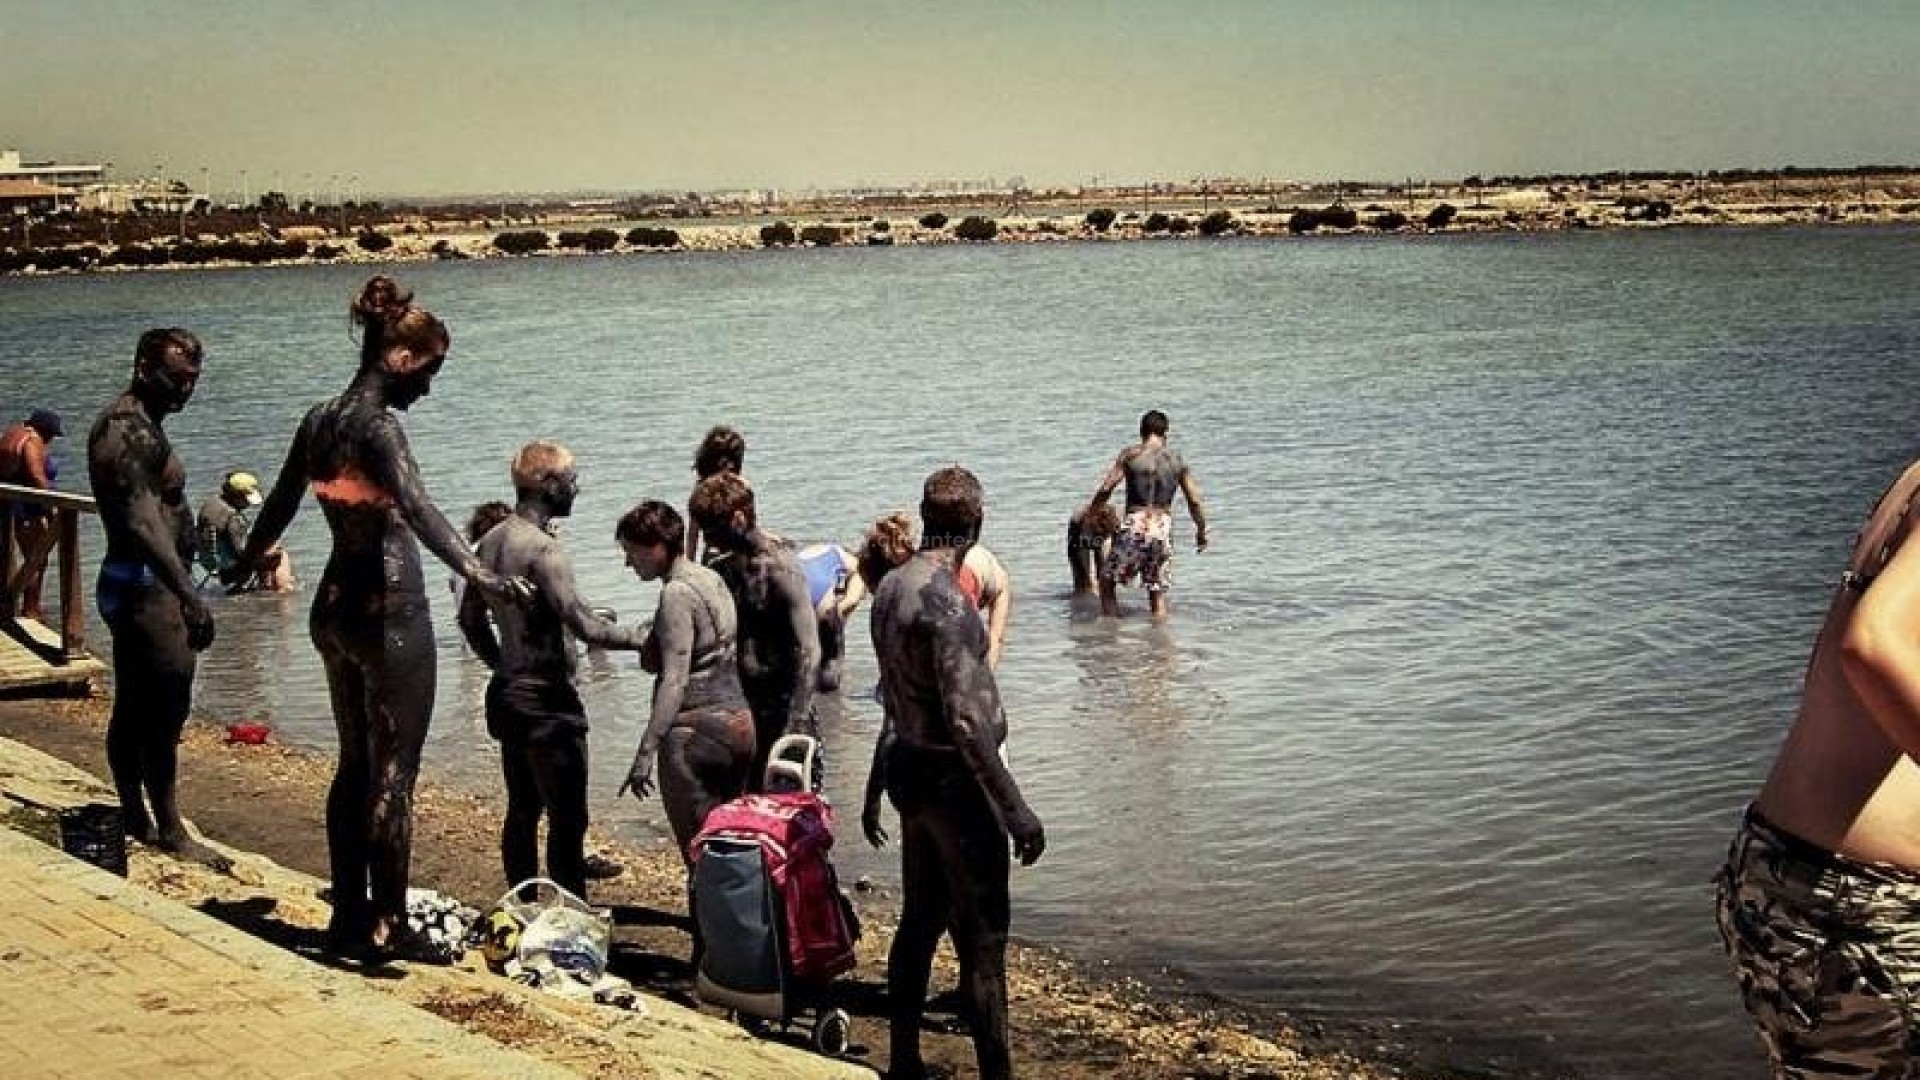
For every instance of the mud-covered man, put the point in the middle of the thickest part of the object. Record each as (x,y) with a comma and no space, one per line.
(779,638)
(958,803)
(533,705)
(1154,473)
(145,590)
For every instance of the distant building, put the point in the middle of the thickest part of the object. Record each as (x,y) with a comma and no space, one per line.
(52,174)
(85,187)
(145,197)
(24,198)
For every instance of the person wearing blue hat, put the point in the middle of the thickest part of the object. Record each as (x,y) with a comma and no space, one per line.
(24,461)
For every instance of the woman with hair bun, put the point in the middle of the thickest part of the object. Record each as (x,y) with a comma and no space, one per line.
(369,619)
(721,450)
(889,542)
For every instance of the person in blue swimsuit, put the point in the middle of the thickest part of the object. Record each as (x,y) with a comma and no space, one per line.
(835,588)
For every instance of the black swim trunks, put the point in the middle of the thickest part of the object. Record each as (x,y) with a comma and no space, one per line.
(536,711)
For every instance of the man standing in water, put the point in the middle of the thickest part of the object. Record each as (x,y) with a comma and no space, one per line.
(145,591)
(957,801)
(1153,473)
(533,706)
(1819,900)
(779,639)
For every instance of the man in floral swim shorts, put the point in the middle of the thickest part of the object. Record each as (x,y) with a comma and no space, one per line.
(1153,473)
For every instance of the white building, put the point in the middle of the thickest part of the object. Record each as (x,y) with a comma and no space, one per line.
(52,174)
(85,187)
(145,197)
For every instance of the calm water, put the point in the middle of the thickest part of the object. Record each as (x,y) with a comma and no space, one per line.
(1520,546)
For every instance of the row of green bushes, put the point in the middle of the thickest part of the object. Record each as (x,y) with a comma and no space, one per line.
(527,241)
(244,251)
(1339,216)
(1215,223)
(182,253)
(61,258)
(974,228)
(780,234)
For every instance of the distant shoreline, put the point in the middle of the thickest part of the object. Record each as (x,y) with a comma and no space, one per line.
(1523,210)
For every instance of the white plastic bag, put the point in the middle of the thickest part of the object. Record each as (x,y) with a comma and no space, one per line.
(562,938)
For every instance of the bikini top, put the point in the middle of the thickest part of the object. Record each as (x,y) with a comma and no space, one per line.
(351,486)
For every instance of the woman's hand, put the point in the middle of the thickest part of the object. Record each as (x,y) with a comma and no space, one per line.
(639,778)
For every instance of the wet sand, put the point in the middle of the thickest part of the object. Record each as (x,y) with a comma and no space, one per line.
(1066,1023)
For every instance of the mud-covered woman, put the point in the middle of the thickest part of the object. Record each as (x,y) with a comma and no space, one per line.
(369,619)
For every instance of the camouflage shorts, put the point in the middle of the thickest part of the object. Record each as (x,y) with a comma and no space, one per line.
(1143,548)
(1827,952)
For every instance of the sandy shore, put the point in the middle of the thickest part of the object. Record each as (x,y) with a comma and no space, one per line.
(1066,1024)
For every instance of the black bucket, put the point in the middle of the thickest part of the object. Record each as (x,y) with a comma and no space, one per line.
(95,833)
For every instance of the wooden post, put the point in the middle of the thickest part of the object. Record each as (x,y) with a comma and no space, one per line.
(73,605)
(66,507)
(6,558)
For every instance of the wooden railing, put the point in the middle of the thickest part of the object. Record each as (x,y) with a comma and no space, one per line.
(67,508)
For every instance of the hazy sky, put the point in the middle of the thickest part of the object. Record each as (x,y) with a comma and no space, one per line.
(443,96)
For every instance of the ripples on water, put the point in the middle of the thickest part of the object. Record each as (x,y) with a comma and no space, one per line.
(1520,546)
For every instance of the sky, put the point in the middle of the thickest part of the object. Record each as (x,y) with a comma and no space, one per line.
(437,97)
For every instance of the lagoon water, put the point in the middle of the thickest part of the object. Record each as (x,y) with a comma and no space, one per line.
(1520,545)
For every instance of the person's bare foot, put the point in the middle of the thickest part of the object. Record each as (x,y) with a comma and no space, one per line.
(140,829)
(182,846)
(393,941)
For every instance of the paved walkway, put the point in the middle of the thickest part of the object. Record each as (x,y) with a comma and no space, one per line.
(105,979)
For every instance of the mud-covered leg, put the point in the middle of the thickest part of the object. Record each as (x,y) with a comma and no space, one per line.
(124,752)
(399,708)
(347,803)
(560,771)
(172,699)
(977,882)
(923,918)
